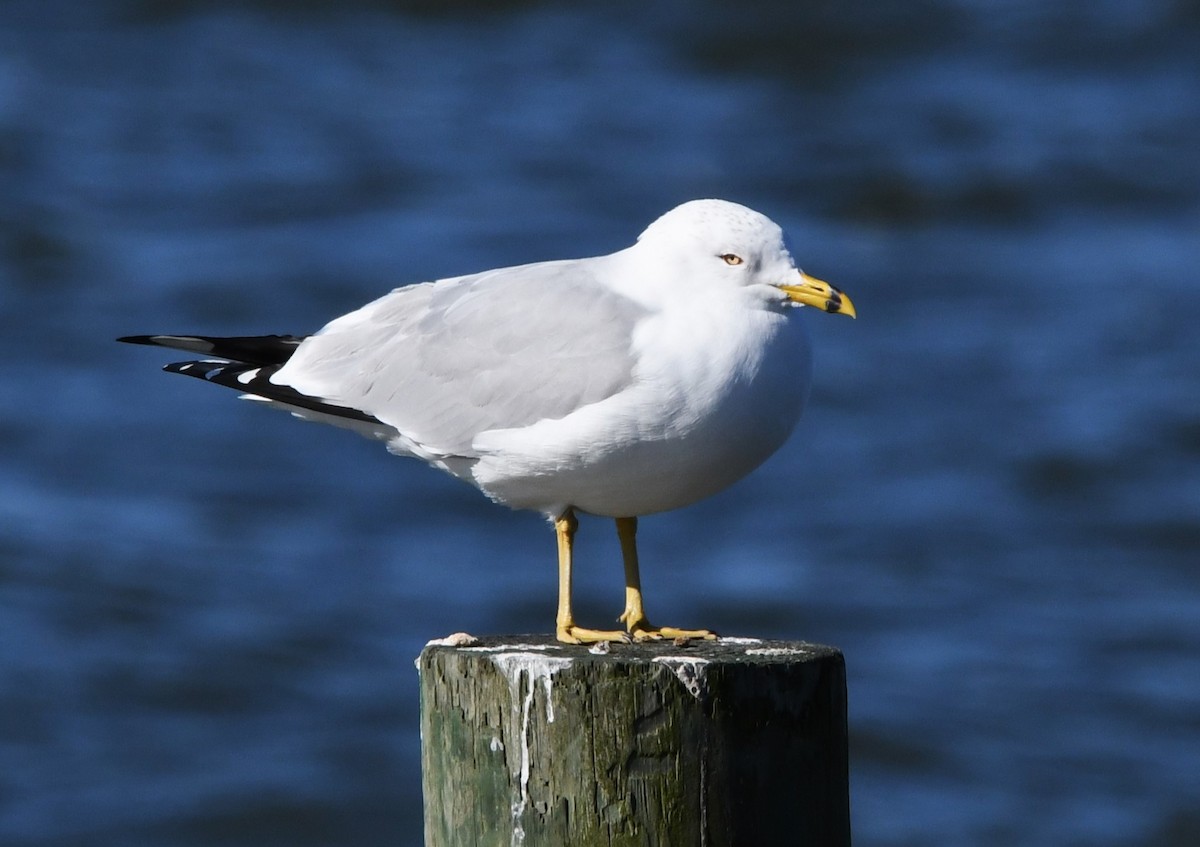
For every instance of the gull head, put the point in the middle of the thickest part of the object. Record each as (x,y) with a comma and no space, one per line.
(721,243)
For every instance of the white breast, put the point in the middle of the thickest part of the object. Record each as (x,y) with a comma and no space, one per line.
(713,397)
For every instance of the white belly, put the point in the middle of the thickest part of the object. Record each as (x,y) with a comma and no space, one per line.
(708,409)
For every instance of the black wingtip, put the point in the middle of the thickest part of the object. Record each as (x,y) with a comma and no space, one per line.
(255,380)
(194,343)
(251,349)
(201,369)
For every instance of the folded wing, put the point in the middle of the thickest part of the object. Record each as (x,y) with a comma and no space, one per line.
(442,362)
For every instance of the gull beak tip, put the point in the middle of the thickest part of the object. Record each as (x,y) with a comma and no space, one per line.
(820,295)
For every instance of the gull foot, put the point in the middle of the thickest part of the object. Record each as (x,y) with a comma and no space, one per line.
(571,634)
(642,630)
(645,632)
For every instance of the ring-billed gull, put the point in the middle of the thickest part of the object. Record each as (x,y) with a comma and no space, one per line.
(619,385)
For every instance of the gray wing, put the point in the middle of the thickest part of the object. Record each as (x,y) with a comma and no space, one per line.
(444,361)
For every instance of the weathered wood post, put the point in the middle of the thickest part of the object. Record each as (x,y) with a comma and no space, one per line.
(735,742)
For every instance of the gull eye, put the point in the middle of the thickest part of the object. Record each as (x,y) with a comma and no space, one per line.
(731,258)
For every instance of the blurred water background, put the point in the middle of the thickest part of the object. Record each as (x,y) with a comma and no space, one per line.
(209,611)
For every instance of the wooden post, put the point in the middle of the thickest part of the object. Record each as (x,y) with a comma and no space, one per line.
(525,741)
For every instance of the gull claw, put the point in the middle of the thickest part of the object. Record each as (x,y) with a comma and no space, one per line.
(642,631)
(571,634)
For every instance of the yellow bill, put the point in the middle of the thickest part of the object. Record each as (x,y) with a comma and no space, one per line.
(816,292)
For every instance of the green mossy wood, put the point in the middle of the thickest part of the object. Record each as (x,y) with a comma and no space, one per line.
(738,742)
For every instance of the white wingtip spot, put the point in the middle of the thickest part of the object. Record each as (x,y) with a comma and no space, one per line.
(248,377)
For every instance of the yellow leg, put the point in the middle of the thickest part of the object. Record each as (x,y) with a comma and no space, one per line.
(634,616)
(565,629)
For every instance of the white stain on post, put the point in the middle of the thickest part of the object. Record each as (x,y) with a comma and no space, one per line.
(777,651)
(689,670)
(533,669)
(458,639)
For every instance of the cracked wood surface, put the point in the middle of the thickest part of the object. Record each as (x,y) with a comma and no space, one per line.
(526,741)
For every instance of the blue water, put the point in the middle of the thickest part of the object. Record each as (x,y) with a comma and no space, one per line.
(209,612)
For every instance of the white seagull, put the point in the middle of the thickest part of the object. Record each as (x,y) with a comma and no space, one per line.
(619,385)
